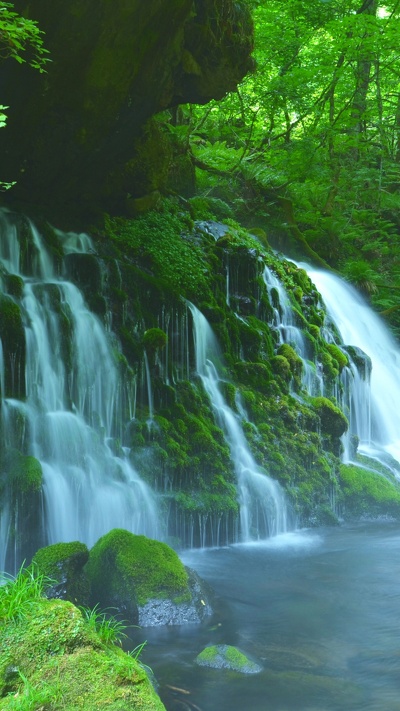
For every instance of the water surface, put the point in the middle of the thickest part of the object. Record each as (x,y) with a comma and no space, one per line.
(319,610)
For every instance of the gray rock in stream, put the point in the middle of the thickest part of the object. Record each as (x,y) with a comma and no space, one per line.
(167,612)
(224,656)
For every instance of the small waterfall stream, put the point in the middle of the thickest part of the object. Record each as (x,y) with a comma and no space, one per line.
(263,511)
(374,405)
(284,322)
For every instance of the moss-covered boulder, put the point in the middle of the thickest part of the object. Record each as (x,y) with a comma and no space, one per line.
(144,580)
(368,493)
(63,564)
(52,659)
(333,421)
(224,656)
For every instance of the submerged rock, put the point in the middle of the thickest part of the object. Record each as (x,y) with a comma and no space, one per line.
(224,656)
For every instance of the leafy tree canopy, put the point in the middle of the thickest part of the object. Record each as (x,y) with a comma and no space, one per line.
(22,40)
(308,148)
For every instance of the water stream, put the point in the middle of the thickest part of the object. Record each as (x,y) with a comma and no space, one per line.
(263,510)
(375,409)
(73,408)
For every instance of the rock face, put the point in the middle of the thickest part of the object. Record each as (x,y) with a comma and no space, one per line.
(113,65)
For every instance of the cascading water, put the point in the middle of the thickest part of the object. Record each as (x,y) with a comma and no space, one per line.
(72,412)
(284,322)
(263,511)
(374,407)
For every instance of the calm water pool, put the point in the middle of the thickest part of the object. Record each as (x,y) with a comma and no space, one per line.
(319,610)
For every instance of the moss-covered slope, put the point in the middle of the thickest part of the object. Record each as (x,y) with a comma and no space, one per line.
(52,659)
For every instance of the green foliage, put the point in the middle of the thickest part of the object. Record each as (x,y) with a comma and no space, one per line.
(33,696)
(54,660)
(20,593)
(21,39)
(308,146)
(109,629)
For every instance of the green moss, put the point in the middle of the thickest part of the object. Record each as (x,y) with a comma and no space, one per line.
(55,660)
(157,240)
(224,656)
(63,564)
(12,336)
(123,564)
(154,338)
(256,375)
(333,421)
(281,367)
(368,493)
(338,355)
(294,360)
(14,285)
(25,474)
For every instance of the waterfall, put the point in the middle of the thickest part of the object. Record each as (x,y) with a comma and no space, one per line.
(262,504)
(374,406)
(284,322)
(73,409)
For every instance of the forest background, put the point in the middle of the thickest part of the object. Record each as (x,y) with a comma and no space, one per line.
(307,149)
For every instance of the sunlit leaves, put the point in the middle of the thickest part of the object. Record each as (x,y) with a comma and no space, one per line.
(21,39)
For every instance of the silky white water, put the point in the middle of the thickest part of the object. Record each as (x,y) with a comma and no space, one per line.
(377,410)
(73,408)
(262,503)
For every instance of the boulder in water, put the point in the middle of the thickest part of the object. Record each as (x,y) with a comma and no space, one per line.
(224,656)
(145,581)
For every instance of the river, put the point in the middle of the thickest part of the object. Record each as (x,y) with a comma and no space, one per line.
(318,609)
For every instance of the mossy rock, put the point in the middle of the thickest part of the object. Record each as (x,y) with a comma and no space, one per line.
(295,362)
(153,339)
(14,285)
(12,336)
(63,564)
(281,367)
(338,355)
(224,656)
(25,473)
(333,421)
(368,493)
(255,375)
(361,360)
(53,659)
(128,572)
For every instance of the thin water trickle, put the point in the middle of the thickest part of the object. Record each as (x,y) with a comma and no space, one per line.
(263,510)
(284,322)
